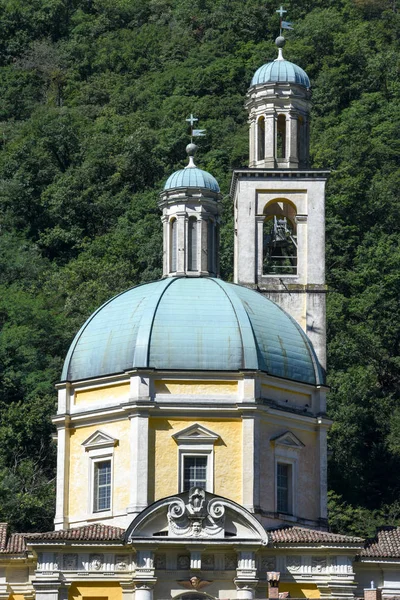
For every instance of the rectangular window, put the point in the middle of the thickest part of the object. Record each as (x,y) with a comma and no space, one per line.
(283,485)
(195,472)
(102,485)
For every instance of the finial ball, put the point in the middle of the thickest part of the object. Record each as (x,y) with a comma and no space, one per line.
(191,149)
(280,41)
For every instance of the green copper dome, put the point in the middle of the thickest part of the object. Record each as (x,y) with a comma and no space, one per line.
(191,324)
(281,71)
(192,177)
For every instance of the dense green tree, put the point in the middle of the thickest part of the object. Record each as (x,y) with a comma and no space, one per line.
(94,97)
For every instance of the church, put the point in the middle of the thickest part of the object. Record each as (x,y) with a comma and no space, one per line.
(191,421)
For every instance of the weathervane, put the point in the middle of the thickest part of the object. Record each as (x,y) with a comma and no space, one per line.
(283,24)
(195,132)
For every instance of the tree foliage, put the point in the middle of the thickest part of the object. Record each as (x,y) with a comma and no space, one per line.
(94,99)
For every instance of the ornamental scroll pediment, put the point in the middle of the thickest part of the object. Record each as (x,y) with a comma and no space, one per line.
(195,516)
(198,517)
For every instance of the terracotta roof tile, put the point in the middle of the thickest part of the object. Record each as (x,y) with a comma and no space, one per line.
(88,533)
(302,535)
(16,543)
(13,544)
(3,536)
(385,545)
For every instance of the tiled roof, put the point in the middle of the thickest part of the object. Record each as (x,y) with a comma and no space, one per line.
(385,545)
(88,533)
(13,544)
(3,536)
(302,535)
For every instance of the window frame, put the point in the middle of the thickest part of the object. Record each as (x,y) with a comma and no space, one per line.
(202,452)
(289,491)
(196,440)
(287,449)
(95,486)
(99,448)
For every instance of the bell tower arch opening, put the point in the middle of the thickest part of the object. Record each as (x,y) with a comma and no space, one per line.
(279,238)
(261,138)
(281,137)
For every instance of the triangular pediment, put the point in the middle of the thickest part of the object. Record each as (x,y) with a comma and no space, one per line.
(196,433)
(99,439)
(288,439)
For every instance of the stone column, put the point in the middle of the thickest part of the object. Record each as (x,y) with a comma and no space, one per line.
(181,246)
(144,579)
(245,589)
(144,589)
(270,140)
(291,128)
(252,143)
(139,462)
(202,245)
(246,572)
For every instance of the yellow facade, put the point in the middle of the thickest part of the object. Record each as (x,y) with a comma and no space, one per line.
(110,393)
(107,590)
(163,453)
(300,590)
(199,388)
(307,476)
(79,472)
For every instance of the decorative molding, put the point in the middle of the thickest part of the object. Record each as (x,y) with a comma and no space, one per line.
(96,562)
(197,518)
(194,583)
(99,439)
(288,439)
(195,434)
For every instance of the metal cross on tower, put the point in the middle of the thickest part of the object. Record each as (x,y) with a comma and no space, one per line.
(195,132)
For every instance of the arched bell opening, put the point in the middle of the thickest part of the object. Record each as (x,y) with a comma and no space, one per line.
(173,237)
(280,239)
(281,137)
(192,244)
(261,138)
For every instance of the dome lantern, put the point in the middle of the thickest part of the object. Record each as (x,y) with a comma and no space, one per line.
(278,102)
(190,206)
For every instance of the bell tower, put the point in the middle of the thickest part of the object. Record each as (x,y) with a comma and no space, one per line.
(279,201)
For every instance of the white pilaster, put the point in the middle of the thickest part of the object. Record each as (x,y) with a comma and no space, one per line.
(139,462)
(61,517)
(323,466)
(250,473)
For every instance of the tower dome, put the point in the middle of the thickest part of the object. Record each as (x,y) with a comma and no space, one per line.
(184,323)
(278,102)
(280,71)
(191,176)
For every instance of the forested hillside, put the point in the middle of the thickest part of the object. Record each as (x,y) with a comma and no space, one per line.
(94,97)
